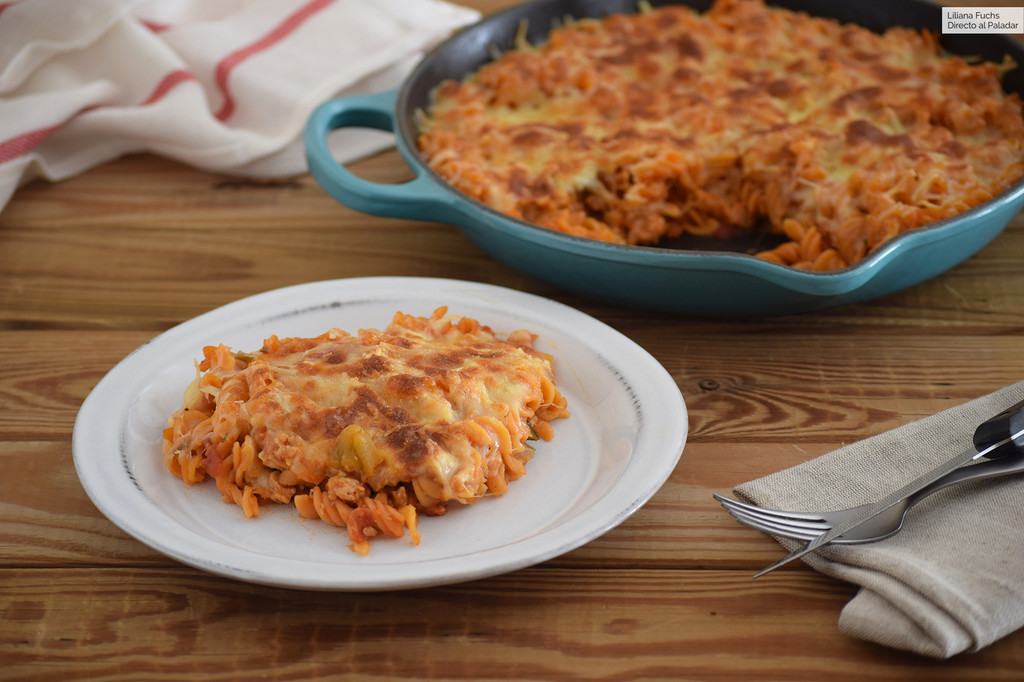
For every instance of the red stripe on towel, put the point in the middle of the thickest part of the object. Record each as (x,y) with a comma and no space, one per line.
(19,145)
(154,26)
(281,31)
(24,143)
(168,82)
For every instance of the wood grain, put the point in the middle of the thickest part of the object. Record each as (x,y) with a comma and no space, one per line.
(96,266)
(170,623)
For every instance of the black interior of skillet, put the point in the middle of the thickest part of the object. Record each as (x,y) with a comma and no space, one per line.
(472,47)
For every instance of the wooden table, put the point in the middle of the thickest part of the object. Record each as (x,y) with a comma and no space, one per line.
(96,266)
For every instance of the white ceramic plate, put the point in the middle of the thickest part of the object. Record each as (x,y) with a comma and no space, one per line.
(626,433)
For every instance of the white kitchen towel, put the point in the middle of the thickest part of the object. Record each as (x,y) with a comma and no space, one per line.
(953,579)
(222,85)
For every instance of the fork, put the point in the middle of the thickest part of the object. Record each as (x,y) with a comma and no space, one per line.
(807,525)
(999,438)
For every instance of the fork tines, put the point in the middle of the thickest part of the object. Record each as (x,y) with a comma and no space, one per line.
(775,521)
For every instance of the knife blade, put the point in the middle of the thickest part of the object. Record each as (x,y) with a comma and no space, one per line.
(1009,419)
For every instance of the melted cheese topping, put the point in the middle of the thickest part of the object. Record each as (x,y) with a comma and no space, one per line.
(636,128)
(425,412)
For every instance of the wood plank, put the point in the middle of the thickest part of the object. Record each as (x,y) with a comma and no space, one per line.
(95,266)
(709,625)
(749,416)
(47,520)
(766,388)
(197,240)
(44,377)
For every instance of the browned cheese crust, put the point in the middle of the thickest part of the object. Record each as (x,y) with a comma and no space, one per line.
(366,431)
(636,128)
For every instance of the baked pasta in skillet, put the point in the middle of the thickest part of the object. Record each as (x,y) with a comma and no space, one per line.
(640,128)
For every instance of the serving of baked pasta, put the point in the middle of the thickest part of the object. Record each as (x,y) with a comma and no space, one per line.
(367,431)
(638,128)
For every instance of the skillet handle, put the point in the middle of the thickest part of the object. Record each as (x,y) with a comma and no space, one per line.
(420,198)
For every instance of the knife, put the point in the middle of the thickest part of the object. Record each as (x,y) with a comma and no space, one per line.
(995,437)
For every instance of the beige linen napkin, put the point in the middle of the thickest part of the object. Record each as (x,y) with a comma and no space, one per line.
(953,579)
(224,85)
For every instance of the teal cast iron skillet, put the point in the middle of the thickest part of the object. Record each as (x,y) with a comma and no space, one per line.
(709,278)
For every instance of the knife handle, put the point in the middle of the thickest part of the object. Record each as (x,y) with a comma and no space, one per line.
(1007,423)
